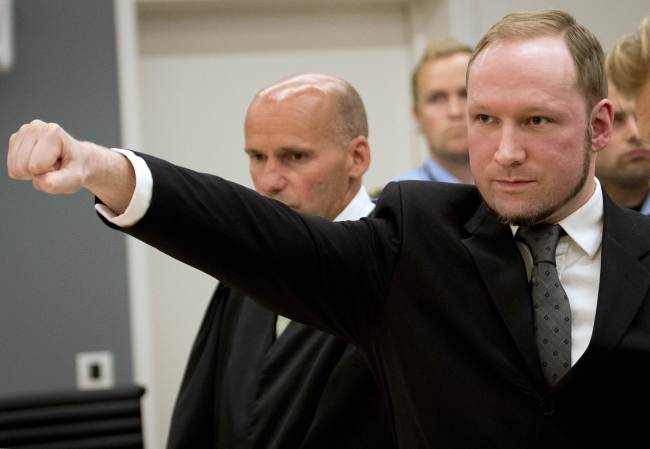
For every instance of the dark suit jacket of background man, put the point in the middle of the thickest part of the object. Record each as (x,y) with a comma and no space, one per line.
(243,389)
(433,291)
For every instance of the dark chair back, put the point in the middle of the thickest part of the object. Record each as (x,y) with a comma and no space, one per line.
(97,419)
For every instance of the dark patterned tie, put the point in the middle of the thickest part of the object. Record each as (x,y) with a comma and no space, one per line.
(550,302)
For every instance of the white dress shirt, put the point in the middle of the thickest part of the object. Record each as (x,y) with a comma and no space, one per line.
(577,258)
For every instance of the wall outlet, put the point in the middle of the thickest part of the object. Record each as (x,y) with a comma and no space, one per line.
(95,370)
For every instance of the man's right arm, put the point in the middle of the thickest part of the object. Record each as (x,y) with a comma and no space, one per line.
(57,163)
(329,275)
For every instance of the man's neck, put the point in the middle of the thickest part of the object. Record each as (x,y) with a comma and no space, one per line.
(457,167)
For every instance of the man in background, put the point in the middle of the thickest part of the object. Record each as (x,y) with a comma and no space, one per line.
(623,167)
(628,65)
(439,105)
(255,379)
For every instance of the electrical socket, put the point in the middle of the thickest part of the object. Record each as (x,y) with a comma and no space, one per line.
(95,370)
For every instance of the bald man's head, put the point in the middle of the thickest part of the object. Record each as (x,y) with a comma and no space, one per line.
(306,137)
(347,114)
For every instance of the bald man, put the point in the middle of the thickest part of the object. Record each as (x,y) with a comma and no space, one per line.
(254,379)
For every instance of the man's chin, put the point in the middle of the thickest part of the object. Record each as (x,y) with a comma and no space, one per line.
(519,215)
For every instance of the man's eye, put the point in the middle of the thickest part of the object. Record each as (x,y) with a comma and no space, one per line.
(483,118)
(436,98)
(538,120)
(297,156)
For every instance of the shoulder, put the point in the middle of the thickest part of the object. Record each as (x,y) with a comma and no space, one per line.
(629,228)
(427,193)
(425,203)
(415,174)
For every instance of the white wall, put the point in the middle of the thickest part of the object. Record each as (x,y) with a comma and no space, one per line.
(198,72)
(606,18)
(199,65)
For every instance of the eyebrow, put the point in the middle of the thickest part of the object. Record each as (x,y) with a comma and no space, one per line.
(283,149)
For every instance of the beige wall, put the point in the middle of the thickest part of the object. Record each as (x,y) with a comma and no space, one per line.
(198,71)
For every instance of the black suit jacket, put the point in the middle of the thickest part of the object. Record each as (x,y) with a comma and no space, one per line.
(245,389)
(433,291)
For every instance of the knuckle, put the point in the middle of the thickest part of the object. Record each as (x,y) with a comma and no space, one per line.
(33,167)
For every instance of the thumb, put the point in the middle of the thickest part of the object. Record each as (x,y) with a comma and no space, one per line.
(63,180)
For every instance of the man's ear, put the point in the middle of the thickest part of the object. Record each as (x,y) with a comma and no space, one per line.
(601,122)
(359,154)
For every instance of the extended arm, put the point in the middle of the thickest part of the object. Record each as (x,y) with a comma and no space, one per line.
(326,274)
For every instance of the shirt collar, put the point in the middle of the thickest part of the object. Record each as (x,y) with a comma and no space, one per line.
(435,171)
(360,206)
(585,225)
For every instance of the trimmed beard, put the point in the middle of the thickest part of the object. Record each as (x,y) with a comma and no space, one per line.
(541,215)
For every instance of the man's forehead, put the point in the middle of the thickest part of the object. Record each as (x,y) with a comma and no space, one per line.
(543,63)
(541,48)
(445,70)
(621,102)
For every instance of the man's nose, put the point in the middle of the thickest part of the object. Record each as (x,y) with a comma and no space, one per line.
(510,151)
(632,128)
(457,105)
(271,180)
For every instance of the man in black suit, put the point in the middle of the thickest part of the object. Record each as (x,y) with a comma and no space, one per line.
(434,289)
(254,379)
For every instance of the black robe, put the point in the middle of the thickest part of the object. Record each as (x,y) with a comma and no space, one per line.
(244,389)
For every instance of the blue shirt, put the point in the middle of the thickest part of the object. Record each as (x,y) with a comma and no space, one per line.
(429,171)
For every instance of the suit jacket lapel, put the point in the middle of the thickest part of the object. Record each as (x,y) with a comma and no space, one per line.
(502,269)
(624,281)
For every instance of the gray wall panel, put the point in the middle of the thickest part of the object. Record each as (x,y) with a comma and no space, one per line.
(63,286)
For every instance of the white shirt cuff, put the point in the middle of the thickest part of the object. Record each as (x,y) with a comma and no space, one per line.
(141,196)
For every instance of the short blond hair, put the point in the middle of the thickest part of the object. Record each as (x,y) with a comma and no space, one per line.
(583,45)
(436,50)
(628,63)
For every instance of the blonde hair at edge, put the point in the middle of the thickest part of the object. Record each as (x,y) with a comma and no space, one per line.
(583,45)
(628,63)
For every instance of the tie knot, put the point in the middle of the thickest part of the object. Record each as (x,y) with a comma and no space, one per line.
(542,240)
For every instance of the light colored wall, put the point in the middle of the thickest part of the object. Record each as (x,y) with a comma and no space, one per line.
(198,72)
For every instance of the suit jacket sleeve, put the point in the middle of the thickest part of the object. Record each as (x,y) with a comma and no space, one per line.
(332,276)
